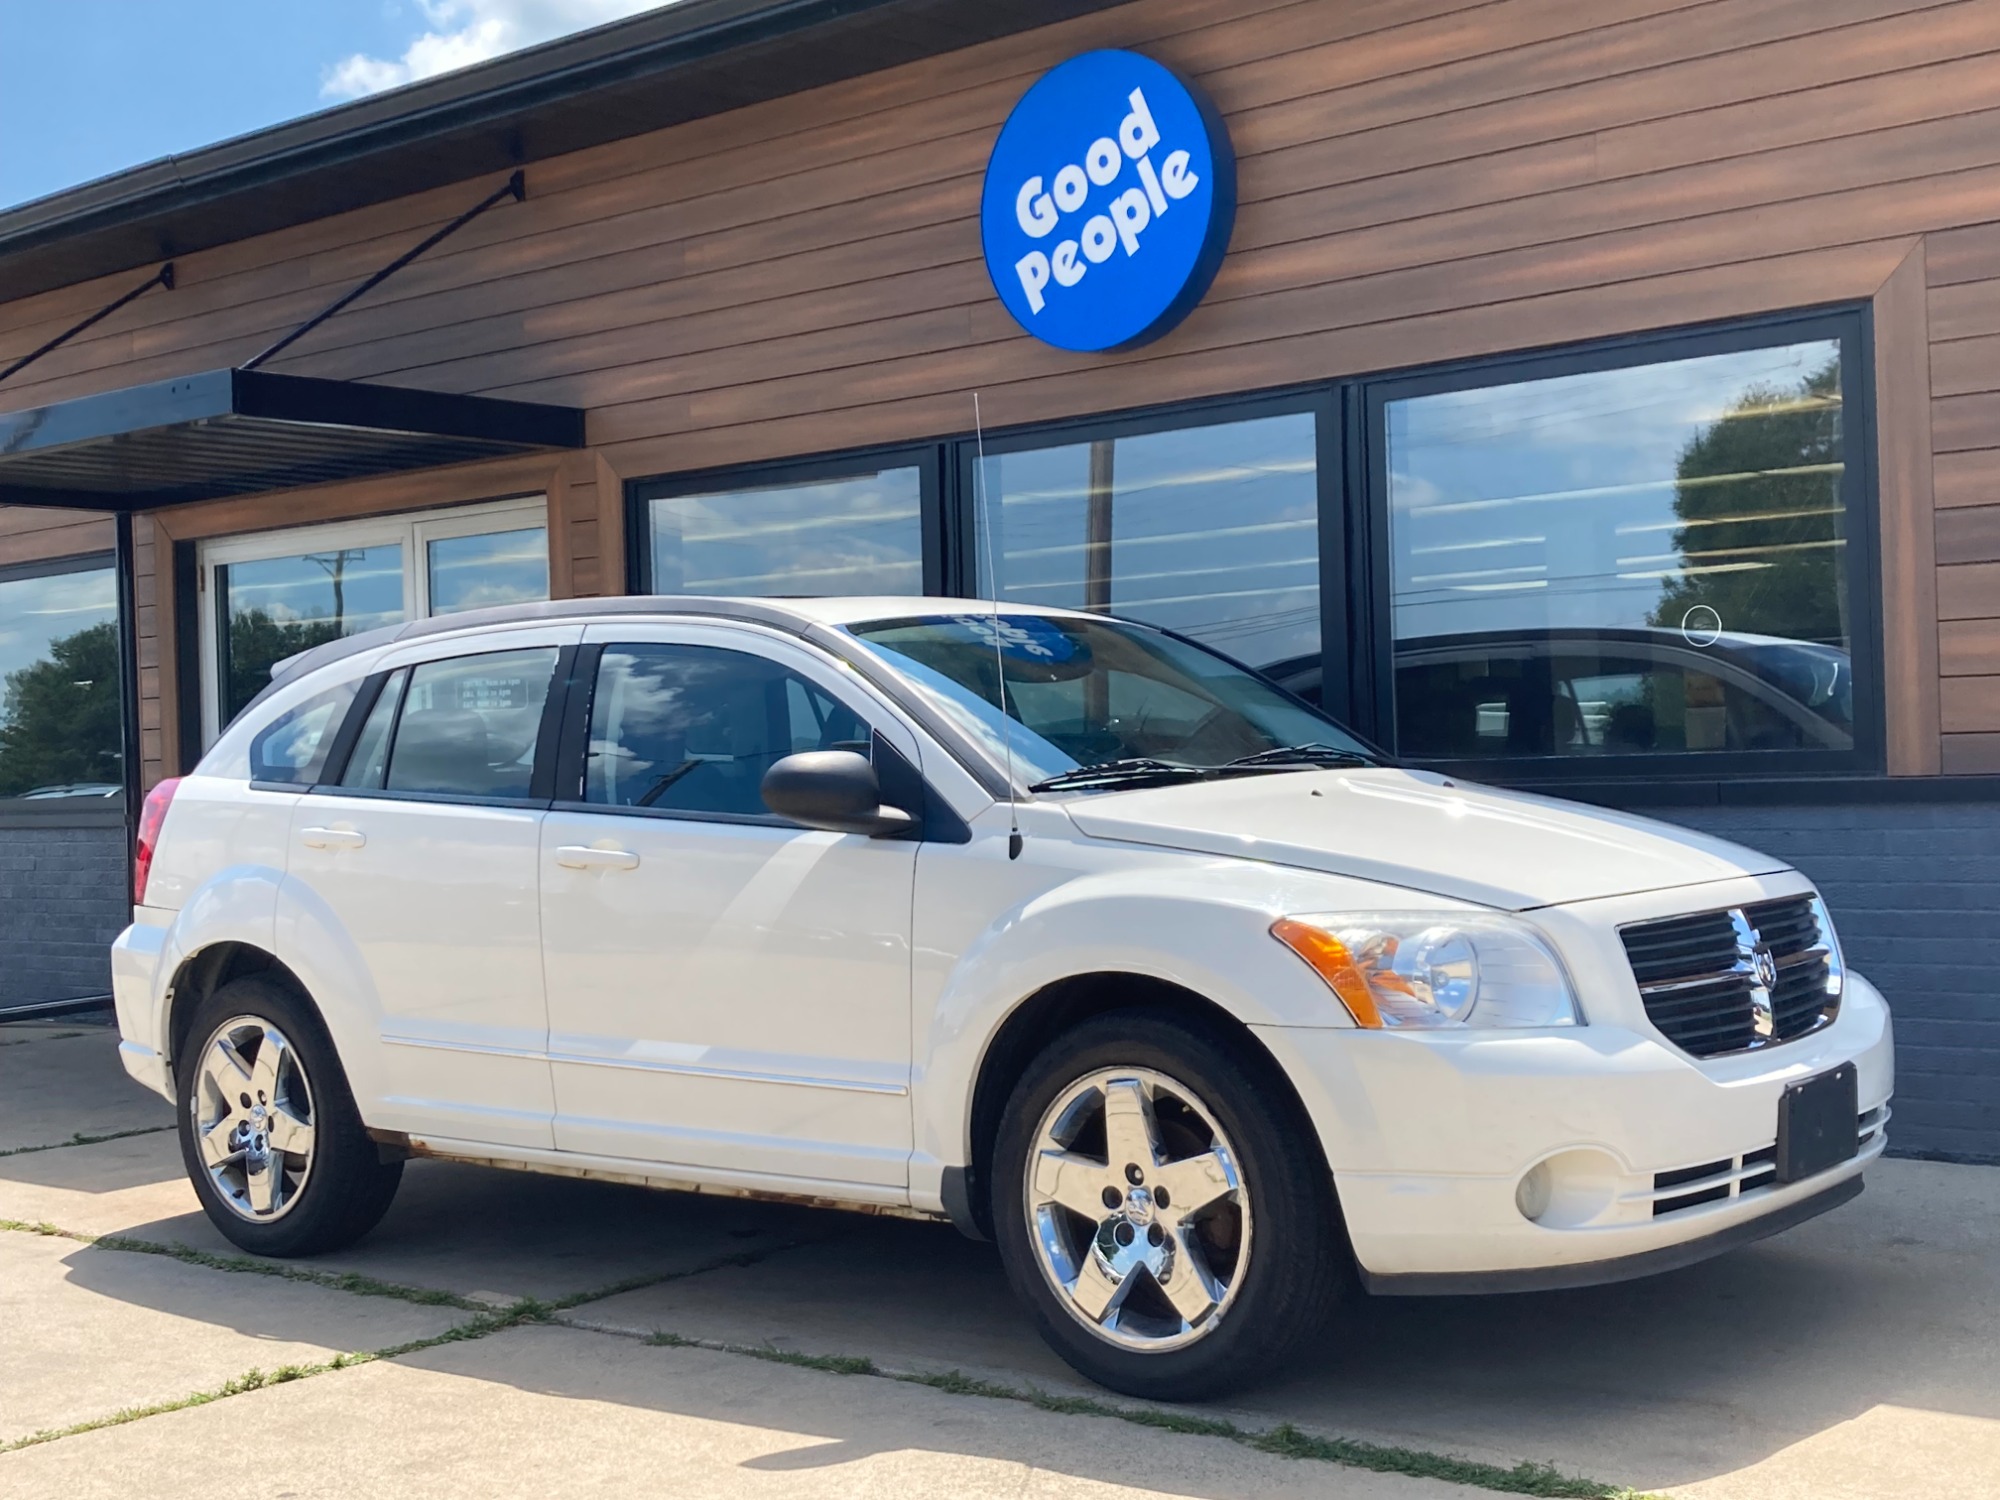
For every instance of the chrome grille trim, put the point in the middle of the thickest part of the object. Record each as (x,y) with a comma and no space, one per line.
(1738,979)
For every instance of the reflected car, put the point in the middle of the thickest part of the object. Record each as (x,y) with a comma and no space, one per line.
(1059,928)
(1609,692)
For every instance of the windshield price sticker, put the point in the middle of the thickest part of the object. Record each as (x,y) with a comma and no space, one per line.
(1109,200)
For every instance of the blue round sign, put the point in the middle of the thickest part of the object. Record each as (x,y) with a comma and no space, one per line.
(1109,200)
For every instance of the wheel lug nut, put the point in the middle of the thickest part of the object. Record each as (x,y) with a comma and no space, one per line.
(1160,1197)
(1133,1175)
(1153,1235)
(1123,1234)
(246,1100)
(1112,1197)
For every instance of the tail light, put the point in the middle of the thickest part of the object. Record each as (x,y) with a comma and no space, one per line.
(151,817)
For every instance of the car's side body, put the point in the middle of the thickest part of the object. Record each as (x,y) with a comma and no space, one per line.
(749,1006)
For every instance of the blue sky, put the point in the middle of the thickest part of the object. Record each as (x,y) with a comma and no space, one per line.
(90,87)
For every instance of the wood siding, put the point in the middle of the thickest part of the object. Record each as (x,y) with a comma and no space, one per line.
(1421,180)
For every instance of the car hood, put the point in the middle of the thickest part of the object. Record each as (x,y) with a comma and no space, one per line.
(1421,831)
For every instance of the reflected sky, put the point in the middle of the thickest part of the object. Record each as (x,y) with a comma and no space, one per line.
(496,567)
(1211,531)
(36,611)
(1550,504)
(357,587)
(862,535)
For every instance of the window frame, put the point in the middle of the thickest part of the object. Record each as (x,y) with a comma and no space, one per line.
(413,531)
(852,463)
(1373,665)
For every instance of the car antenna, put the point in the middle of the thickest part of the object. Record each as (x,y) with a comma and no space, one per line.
(999,657)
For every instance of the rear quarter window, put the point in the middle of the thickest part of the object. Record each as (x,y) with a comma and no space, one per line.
(291,750)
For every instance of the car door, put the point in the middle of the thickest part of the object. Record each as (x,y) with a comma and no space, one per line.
(424,858)
(726,990)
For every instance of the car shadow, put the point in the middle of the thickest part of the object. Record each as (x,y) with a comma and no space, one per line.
(1893,1300)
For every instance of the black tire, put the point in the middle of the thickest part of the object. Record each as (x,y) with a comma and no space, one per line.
(1298,1265)
(345,1187)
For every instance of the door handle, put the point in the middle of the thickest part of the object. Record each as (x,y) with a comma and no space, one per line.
(333,838)
(578,857)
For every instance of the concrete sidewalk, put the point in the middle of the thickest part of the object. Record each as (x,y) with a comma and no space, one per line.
(1858,1356)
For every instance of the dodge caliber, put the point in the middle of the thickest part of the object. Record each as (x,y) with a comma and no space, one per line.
(1060,928)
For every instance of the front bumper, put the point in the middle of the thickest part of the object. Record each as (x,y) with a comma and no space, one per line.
(1430,1135)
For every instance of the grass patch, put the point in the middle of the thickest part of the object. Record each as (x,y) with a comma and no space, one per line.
(80,1139)
(338,1281)
(1282,1441)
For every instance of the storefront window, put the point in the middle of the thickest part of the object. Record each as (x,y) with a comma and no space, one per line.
(280,606)
(1649,559)
(856,534)
(60,732)
(274,595)
(1211,531)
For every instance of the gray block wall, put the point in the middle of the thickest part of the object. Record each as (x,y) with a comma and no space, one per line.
(1914,889)
(64,895)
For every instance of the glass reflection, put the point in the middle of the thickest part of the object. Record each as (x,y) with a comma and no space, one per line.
(496,567)
(1638,560)
(60,731)
(280,606)
(1209,531)
(862,535)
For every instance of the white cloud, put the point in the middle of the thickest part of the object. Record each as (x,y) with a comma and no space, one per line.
(463,32)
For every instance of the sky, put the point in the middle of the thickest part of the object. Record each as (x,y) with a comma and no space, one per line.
(91,87)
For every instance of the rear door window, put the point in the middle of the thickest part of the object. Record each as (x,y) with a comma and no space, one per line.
(467,726)
(694,728)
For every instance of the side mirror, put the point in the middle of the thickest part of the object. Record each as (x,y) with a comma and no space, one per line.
(832,789)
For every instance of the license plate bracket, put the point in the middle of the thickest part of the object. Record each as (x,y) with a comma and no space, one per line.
(1818,1124)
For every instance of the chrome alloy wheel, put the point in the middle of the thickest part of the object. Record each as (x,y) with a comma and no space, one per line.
(1139,1217)
(252,1111)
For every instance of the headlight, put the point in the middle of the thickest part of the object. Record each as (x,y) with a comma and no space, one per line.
(1402,969)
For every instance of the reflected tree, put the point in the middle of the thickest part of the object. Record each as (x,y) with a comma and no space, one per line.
(1757,494)
(257,642)
(59,717)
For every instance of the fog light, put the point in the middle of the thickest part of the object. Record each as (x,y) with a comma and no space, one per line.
(1531,1195)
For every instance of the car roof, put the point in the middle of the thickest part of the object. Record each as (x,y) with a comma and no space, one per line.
(794,616)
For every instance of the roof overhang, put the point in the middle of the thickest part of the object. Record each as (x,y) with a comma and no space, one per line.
(664,67)
(240,432)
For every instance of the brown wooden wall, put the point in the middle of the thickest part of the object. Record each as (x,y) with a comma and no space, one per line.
(1421,180)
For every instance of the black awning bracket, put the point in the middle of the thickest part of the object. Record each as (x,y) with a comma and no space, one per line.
(516,187)
(162,277)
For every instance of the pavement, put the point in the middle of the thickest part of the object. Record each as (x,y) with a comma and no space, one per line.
(510,1334)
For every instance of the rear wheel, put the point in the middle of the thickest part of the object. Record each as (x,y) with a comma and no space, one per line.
(1159,1210)
(268,1128)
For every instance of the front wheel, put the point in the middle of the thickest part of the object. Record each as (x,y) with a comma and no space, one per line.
(269,1132)
(1167,1220)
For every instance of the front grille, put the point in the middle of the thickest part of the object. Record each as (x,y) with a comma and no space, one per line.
(1699,975)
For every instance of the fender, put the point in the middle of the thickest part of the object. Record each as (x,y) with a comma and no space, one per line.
(1161,915)
(234,905)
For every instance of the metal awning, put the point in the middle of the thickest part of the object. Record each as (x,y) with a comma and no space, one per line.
(239,432)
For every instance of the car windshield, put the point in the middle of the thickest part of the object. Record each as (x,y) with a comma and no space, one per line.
(1084,693)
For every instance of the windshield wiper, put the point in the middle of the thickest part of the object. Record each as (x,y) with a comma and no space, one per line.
(1299,755)
(1112,772)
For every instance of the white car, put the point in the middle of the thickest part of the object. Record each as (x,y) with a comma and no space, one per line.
(1160,979)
